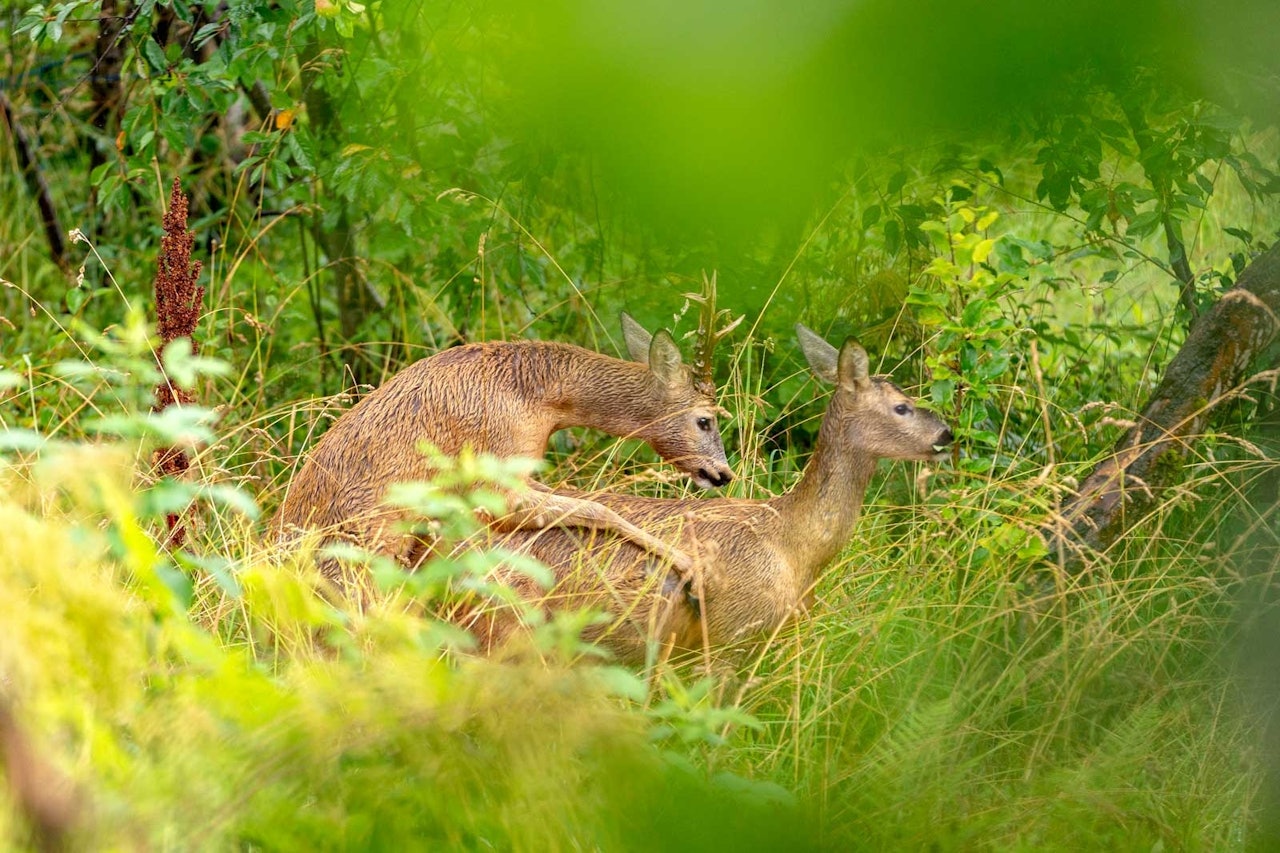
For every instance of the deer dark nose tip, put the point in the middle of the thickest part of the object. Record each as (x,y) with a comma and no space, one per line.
(715,478)
(945,438)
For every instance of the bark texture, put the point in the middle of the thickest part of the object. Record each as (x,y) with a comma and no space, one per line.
(1213,361)
(36,185)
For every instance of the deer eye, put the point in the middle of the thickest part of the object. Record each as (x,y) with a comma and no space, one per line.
(902,409)
(704,424)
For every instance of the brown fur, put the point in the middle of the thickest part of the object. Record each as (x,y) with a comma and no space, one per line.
(759,559)
(503,398)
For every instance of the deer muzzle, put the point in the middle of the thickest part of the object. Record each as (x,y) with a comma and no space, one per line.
(942,444)
(712,476)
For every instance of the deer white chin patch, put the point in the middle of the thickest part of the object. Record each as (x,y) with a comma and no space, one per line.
(941,452)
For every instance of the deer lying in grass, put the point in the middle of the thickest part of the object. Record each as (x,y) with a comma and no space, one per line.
(507,398)
(759,560)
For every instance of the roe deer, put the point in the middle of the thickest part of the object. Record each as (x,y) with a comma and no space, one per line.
(507,398)
(758,561)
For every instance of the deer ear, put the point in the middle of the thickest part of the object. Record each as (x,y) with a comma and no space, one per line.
(855,367)
(638,340)
(665,362)
(822,356)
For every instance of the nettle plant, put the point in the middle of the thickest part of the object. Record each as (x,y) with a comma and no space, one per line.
(970,343)
(117,380)
(451,511)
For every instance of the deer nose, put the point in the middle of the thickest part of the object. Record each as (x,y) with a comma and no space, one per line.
(716,478)
(945,437)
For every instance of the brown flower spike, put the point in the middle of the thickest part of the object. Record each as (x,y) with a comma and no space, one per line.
(178,303)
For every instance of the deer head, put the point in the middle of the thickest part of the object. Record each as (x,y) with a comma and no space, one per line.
(872,414)
(690,438)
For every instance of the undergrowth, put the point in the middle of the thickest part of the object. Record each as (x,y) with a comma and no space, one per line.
(951,689)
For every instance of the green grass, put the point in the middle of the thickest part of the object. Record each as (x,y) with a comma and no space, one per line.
(935,698)
(945,693)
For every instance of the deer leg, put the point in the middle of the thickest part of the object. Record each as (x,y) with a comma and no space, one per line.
(538,509)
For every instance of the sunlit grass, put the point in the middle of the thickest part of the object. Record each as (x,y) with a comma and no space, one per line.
(944,691)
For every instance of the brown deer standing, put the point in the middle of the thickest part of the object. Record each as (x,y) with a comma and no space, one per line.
(758,560)
(507,398)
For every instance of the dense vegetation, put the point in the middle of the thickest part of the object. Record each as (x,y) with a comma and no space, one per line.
(369,184)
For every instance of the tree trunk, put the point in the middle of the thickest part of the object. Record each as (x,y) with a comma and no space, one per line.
(1212,362)
(34,178)
(107,88)
(355,298)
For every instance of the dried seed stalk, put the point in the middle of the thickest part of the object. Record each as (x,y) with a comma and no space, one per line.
(178,303)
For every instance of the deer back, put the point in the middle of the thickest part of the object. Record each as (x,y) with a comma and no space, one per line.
(503,398)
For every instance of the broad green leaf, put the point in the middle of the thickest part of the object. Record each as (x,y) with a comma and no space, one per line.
(1144,223)
(982,251)
(154,54)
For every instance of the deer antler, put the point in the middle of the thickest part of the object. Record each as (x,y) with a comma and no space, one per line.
(708,335)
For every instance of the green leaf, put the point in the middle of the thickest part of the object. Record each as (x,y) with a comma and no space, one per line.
(154,55)
(170,495)
(179,426)
(183,367)
(525,565)
(100,171)
(178,583)
(216,567)
(1033,548)
(21,440)
(976,311)
(892,236)
(300,155)
(75,299)
(619,681)
(231,497)
(982,251)
(1144,223)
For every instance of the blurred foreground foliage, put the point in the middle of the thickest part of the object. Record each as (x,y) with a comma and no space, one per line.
(183,701)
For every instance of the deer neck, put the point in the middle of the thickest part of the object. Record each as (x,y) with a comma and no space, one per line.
(604,393)
(816,518)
